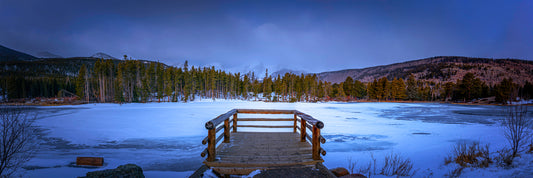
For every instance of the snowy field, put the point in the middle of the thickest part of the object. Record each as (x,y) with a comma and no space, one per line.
(165,138)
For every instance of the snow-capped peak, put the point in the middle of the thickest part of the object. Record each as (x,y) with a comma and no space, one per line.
(101,55)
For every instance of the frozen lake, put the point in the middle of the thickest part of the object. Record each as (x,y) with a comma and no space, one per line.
(165,138)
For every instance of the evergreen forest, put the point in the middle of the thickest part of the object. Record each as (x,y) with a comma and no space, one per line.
(126,81)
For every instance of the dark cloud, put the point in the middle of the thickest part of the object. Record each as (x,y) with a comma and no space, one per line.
(252,35)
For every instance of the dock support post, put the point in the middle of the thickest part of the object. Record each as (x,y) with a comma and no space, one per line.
(226,131)
(235,122)
(302,130)
(295,119)
(211,144)
(316,143)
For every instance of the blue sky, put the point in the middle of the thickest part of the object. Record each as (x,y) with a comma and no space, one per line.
(313,36)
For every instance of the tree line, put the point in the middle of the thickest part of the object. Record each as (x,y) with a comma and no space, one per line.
(18,87)
(467,89)
(140,81)
(146,81)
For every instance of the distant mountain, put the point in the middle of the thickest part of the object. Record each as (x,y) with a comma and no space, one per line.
(52,67)
(283,71)
(46,54)
(101,55)
(441,69)
(7,54)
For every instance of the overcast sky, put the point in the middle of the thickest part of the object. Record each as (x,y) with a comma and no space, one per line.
(313,36)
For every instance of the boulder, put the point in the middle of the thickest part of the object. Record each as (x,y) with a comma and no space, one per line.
(340,171)
(123,171)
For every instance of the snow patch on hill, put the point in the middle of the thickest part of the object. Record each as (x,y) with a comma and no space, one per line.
(101,55)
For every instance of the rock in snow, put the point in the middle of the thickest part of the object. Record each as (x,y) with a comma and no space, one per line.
(128,170)
(340,171)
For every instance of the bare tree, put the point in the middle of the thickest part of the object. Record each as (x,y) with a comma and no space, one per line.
(517,128)
(17,139)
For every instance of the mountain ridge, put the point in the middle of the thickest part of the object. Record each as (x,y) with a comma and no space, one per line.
(440,69)
(8,54)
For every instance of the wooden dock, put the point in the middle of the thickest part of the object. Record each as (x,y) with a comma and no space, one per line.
(240,153)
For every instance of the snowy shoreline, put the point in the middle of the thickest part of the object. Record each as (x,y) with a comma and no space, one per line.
(520,102)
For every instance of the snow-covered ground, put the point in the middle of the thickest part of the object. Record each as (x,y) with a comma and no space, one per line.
(165,138)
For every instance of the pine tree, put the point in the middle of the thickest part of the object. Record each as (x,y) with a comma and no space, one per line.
(168,84)
(505,90)
(187,83)
(401,91)
(120,84)
(382,88)
(360,89)
(526,91)
(160,81)
(340,94)
(246,86)
(267,86)
(348,87)
(470,87)
(412,88)
(81,83)
(371,89)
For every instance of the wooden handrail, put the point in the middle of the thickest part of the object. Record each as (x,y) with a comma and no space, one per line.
(309,138)
(310,120)
(265,111)
(267,126)
(204,141)
(204,153)
(323,152)
(306,122)
(219,138)
(213,123)
(266,119)
(310,127)
(219,128)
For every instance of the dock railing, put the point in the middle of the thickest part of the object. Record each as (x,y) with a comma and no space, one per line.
(230,120)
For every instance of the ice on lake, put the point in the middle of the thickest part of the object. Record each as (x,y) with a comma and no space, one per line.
(165,138)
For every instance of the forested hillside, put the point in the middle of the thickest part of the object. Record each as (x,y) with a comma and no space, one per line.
(112,80)
(442,69)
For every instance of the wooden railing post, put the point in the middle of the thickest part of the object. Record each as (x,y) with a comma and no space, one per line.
(302,130)
(211,144)
(316,143)
(226,131)
(235,122)
(295,125)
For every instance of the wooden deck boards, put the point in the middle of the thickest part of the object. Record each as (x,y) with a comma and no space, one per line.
(248,151)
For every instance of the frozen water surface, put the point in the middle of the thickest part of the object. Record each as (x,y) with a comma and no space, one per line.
(165,138)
